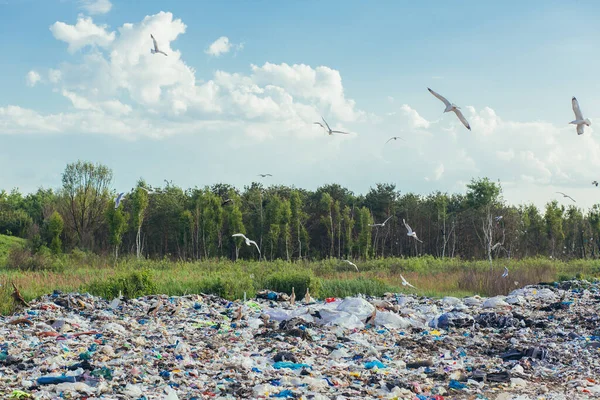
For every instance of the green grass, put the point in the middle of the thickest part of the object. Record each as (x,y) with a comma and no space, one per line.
(85,272)
(6,243)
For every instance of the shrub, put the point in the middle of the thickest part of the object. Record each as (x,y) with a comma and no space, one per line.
(299,280)
(132,284)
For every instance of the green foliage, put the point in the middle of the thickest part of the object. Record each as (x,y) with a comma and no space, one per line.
(131,284)
(7,243)
(297,279)
(482,193)
(55,225)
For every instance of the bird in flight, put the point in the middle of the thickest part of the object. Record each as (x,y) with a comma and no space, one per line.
(452,107)
(118,199)
(383,223)
(248,241)
(579,121)
(566,195)
(156,49)
(595,183)
(405,282)
(393,138)
(411,232)
(505,274)
(351,263)
(498,218)
(148,190)
(328,129)
(226,202)
(264,175)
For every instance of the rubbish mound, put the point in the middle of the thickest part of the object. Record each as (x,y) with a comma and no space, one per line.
(541,341)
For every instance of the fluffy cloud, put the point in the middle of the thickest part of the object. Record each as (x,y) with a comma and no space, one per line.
(95,6)
(33,78)
(119,80)
(221,46)
(83,33)
(414,119)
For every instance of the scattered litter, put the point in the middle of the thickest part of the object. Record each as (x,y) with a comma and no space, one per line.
(536,342)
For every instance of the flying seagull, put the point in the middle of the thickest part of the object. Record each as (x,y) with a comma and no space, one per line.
(579,121)
(411,232)
(156,49)
(328,129)
(383,223)
(226,202)
(565,195)
(505,274)
(148,190)
(405,282)
(118,200)
(248,241)
(264,175)
(498,218)
(451,107)
(393,138)
(595,183)
(351,263)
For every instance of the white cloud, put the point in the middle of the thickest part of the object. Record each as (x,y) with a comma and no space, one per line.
(54,75)
(95,6)
(33,78)
(83,33)
(221,46)
(414,119)
(134,93)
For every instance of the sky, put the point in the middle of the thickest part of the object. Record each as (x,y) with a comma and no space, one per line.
(243,83)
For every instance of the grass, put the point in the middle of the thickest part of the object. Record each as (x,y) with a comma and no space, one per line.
(6,243)
(329,278)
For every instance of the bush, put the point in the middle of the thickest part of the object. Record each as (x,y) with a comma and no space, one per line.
(21,258)
(133,284)
(299,280)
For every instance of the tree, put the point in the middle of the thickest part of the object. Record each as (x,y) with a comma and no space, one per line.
(117,225)
(483,196)
(55,225)
(236,225)
(85,195)
(138,201)
(364,232)
(554,224)
(297,220)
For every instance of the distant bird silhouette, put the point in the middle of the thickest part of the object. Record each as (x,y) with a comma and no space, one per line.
(383,223)
(118,199)
(452,107)
(351,263)
(393,138)
(566,195)
(328,129)
(226,202)
(595,183)
(156,49)
(411,232)
(248,241)
(264,175)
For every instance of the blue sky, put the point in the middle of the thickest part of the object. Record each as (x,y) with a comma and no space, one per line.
(80,83)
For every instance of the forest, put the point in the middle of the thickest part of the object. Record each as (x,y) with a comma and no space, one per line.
(289,223)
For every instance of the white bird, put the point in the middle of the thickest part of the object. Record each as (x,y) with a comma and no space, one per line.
(505,274)
(393,138)
(351,263)
(118,199)
(498,218)
(579,121)
(405,282)
(451,107)
(248,241)
(328,129)
(148,190)
(383,223)
(566,195)
(411,232)
(156,49)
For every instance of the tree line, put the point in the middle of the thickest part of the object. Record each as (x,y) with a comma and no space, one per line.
(290,223)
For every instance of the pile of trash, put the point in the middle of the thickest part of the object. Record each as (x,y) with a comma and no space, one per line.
(541,341)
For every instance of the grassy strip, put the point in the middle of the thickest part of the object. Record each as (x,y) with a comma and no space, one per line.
(331,278)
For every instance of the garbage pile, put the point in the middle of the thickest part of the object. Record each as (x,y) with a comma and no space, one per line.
(541,341)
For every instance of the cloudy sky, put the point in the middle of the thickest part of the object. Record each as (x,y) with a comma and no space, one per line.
(243,83)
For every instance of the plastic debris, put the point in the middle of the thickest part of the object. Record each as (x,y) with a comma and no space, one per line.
(541,341)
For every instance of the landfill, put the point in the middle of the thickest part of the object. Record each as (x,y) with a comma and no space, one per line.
(538,342)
